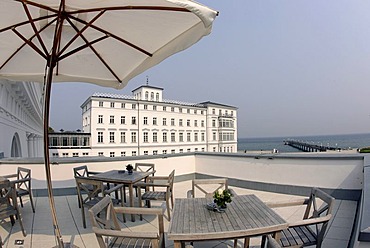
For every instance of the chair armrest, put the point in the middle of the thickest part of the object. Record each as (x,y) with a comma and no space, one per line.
(312,221)
(287,203)
(21,180)
(190,194)
(151,178)
(94,172)
(115,188)
(119,233)
(10,175)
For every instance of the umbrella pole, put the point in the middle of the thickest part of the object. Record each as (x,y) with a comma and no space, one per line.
(47,93)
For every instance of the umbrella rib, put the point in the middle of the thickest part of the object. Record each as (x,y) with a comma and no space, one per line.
(27,22)
(79,32)
(28,42)
(81,48)
(34,27)
(16,51)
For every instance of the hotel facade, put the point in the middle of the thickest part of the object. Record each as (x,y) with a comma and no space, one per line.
(146,124)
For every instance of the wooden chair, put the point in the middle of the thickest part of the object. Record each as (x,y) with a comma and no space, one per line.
(208,187)
(22,184)
(82,171)
(90,192)
(272,243)
(8,204)
(143,167)
(164,182)
(105,224)
(310,230)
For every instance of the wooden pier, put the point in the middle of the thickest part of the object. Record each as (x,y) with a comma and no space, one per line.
(309,146)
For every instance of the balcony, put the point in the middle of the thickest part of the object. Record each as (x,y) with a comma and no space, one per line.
(271,177)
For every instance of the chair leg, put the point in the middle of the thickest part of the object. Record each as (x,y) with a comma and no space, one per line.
(168,209)
(20,200)
(21,224)
(83,217)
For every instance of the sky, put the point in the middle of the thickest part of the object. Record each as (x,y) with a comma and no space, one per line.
(292,68)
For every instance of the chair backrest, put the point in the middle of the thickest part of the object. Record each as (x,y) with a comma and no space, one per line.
(81,171)
(319,204)
(8,207)
(208,186)
(24,175)
(88,189)
(144,167)
(103,216)
(171,179)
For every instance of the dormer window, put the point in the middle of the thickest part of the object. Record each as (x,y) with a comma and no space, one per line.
(146,95)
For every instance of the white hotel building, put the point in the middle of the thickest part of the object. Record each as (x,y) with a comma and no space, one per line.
(146,124)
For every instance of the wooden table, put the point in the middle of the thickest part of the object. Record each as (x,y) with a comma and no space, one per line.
(245,216)
(117,177)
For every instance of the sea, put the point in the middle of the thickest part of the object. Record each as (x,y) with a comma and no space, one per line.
(343,141)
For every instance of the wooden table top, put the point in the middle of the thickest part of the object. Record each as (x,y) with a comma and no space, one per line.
(117,176)
(3,179)
(245,216)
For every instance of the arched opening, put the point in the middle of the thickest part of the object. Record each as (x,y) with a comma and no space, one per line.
(16,150)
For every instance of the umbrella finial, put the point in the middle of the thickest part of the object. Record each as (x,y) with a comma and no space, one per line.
(147,80)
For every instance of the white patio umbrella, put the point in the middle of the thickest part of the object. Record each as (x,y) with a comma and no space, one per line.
(106,42)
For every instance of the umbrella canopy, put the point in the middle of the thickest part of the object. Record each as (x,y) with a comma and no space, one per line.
(104,42)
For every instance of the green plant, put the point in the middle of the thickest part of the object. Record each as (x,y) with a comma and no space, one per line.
(221,197)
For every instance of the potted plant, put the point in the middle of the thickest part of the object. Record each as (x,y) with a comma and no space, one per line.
(129,168)
(221,197)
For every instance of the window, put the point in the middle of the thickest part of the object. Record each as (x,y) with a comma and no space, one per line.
(155,152)
(196,149)
(145,137)
(100,154)
(202,137)
(123,154)
(100,137)
(123,105)
(85,154)
(65,154)
(172,122)
(202,112)
(195,111)
(55,154)
(155,137)
(123,137)
(100,119)
(154,107)
(164,152)
(213,111)
(164,137)
(172,109)
(111,154)
(146,106)
(188,111)
(133,137)
(219,112)
(181,137)
(203,149)
(146,153)
(112,104)
(180,122)
(123,120)
(181,150)
(188,137)
(195,137)
(152,96)
(100,104)
(157,97)
(173,151)
(133,153)
(188,123)
(164,108)
(146,95)
(195,123)
(154,120)
(214,149)
(133,120)
(213,123)
(232,113)
(164,122)
(133,106)
(145,120)
(54,141)
(202,123)
(173,137)
(111,137)
(225,112)
(188,150)
(111,119)
(214,135)
(74,141)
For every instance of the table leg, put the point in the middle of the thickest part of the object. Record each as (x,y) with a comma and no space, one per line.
(177,244)
(131,194)
(246,242)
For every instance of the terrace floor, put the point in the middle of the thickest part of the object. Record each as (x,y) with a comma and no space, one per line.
(40,231)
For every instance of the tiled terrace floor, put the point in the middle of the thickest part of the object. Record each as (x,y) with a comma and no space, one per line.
(40,232)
